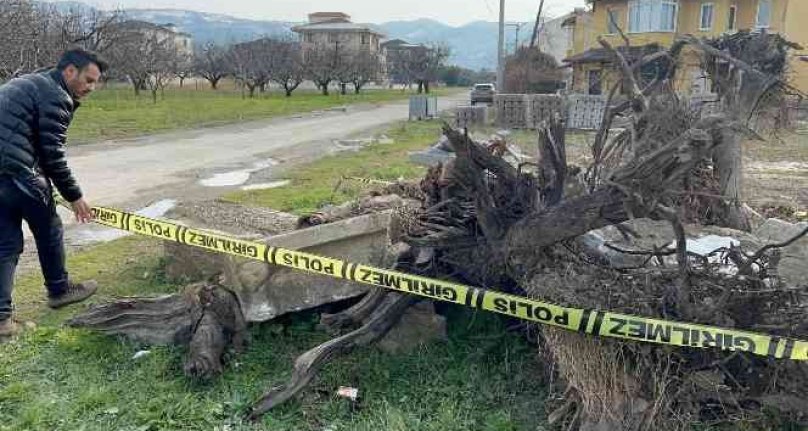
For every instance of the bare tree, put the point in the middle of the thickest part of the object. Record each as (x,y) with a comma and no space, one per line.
(532,71)
(343,69)
(398,67)
(251,63)
(286,66)
(213,63)
(160,56)
(320,64)
(182,67)
(417,64)
(366,67)
(425,64)
(147,56)
(127,59)
(34,34)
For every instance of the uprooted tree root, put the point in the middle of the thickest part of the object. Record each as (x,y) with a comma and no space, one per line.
(610,384)
(206,317)
(493,224)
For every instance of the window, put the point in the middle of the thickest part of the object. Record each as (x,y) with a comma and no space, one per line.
(646,16)
(611,16)
(732,23)
(364,37)
(309,38)
(706,16)
(764,14)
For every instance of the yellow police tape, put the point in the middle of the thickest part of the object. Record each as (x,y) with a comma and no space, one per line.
(592,322)
(368,181)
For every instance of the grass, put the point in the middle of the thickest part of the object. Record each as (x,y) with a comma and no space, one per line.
(787,147)
(58,378)
(313,185)
(115,112)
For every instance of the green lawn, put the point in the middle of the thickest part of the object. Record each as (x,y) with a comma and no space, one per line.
(57,378)
(115,112)
(313,185)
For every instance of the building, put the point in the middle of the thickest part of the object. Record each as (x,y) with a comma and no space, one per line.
(554,38)
(335,30)
(182,41)
(653,24)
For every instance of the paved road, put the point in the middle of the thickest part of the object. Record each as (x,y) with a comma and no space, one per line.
(134,173)
(166,166)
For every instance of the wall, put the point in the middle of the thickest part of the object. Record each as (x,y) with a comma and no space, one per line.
(553,39)
(796,30)
(346,40)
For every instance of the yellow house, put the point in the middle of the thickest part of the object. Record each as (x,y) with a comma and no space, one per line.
(651,24)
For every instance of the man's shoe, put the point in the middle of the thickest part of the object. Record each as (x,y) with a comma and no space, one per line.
(75,293)
(8,328)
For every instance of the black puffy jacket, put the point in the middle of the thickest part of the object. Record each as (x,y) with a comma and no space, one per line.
(35,112)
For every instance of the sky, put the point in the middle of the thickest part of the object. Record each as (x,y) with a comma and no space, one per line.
(453,12)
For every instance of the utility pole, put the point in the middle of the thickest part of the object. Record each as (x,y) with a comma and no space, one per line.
(534,38)
(518,26)
(501,48)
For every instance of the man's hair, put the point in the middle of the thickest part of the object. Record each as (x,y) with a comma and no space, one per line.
(81,58)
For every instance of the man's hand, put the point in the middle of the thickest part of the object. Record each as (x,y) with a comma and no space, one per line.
(82,211)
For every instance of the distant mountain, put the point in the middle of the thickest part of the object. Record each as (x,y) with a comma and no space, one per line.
(473,45)
(206,27)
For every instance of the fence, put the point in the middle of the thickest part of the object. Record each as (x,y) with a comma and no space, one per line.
(523,111)
(466,116)
(512,110)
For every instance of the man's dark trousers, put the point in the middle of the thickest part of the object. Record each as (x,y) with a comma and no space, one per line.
(29,199)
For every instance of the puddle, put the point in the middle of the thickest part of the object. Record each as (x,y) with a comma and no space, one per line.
(158,209)
(265,186)
(238,177)
(90,234)
(352,144)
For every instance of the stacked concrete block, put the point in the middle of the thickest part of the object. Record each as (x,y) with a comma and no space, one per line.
(512,111)
(423,107)
(585,111)
(543,107)
(468,116)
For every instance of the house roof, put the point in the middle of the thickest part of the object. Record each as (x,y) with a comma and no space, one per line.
(569,20)
(336,26)
(602,55)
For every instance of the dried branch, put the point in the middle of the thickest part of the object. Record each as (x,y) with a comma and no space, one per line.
(628,73)
(760,253)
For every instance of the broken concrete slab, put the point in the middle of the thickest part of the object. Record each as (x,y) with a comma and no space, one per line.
(431,157)
(660,234)
(792,258)
(266,292)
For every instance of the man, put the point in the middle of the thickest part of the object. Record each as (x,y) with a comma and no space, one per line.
(35,112)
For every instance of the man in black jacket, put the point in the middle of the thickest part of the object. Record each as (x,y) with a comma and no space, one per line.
(35,112)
